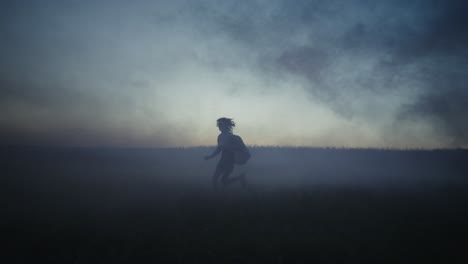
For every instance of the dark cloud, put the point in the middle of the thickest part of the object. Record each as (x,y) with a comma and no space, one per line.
(347,55)
(439,52)
(307,61)
(447,110)
(444,103)
(50,95)
(425,45)
(444,33)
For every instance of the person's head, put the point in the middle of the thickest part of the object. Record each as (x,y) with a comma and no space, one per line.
(225,124)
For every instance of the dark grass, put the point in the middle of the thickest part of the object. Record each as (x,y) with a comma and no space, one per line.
(303,205)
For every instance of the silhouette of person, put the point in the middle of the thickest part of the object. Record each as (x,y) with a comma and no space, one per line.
(226,146)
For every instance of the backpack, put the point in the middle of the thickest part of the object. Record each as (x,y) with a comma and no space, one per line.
(241,152)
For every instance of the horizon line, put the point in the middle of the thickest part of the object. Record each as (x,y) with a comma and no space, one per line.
(213,146)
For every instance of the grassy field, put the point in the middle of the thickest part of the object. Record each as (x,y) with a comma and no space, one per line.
(302,205)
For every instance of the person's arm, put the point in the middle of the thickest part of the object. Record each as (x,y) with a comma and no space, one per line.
(215,152)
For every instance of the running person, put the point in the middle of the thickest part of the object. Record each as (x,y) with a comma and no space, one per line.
(227,147)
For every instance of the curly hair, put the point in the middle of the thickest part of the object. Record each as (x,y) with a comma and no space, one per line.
(225,122)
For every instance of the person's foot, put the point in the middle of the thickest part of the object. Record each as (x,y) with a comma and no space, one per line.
(243,179)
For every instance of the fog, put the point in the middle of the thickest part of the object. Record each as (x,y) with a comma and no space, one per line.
(175,171)
(127,204)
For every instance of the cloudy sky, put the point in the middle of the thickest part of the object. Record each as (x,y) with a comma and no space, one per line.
(355,73)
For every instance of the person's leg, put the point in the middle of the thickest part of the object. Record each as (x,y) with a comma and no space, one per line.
(226,180)
(216,176)
(240,178)
(225,174)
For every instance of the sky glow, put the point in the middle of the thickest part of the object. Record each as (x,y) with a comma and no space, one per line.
(298,73)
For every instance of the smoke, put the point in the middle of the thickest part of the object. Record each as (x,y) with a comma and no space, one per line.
(159,73)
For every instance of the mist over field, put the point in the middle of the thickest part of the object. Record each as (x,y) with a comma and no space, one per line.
(269,167)
(94,205)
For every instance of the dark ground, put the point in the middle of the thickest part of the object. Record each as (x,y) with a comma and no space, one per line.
(74,205)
